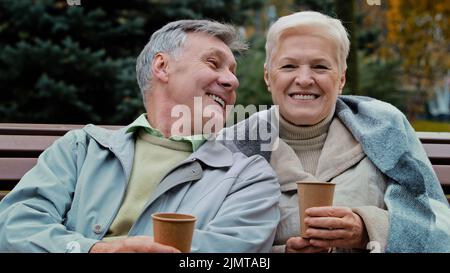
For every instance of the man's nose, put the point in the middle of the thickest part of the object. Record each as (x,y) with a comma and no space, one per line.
(304,77)
(229,81)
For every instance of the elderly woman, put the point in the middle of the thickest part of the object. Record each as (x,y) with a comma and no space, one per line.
(387,197)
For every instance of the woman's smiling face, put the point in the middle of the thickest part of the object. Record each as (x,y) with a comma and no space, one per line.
(304,78)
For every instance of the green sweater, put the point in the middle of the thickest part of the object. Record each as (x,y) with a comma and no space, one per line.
(154,157)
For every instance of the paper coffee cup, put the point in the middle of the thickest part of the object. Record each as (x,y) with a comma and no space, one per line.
(313,194)
(174,229)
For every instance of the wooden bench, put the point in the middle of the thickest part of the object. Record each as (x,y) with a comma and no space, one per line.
(21,144)
(437,147)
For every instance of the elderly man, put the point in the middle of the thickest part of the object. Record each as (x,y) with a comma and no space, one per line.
(94,190)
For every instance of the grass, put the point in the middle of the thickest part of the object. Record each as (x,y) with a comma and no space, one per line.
(431,126)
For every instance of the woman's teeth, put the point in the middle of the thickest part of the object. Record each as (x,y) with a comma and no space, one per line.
(303,97)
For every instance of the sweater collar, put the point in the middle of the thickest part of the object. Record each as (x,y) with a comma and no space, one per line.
(142,123)
(340,152)
(291,131)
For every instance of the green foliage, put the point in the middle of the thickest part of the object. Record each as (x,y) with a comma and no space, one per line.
(252,88)
(323,6)
(76,64)
(431,126)
(57,65)
(62,64)
(379,79)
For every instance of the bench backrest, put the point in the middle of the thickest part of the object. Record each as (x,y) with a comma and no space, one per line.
(437,147)
(21,144)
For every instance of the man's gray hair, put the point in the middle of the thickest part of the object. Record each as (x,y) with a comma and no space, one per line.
(170,39)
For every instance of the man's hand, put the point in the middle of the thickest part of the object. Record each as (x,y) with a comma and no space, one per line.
(335,227)
(137,244)
(301,245)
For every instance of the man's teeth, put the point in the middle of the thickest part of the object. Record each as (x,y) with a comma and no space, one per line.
(218,100)
(303,97)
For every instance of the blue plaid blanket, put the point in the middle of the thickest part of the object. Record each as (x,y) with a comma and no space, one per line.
(419,214)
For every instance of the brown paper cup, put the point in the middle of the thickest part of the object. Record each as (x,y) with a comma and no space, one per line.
(174,229)
(313,194)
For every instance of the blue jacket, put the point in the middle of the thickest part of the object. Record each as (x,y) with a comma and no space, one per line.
(68,201)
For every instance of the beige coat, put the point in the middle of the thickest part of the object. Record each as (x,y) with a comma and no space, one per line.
(359,185)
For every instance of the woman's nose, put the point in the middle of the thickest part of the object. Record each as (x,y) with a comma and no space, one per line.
(304,77)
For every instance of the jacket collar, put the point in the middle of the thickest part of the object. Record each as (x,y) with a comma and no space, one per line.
(118,142)
(121,143)
(214,154)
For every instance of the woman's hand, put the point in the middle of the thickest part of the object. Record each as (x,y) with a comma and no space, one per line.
(301,245)
(335,227)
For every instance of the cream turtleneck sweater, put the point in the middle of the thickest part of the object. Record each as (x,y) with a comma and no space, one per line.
(327,151)
(306,141)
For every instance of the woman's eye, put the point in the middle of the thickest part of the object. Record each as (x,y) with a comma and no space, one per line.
(288,66)
(320,66)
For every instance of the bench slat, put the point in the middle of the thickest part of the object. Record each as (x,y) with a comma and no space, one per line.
(36,129)
(43,129)
(15,168)
(438,151)
(19,144)
(3,194)
(434,137)
(443,174)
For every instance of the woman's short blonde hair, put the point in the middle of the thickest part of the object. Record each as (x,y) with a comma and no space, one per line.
(310,22)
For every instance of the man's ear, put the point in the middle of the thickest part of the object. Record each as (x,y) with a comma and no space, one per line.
(342,82)
(266,77)
(159,67)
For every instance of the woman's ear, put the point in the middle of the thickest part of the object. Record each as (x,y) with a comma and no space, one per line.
(266,77)
(342,82)
(159,67)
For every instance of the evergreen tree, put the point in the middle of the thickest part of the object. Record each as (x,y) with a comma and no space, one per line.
(76,64)
(346,13)
(250,72)
(323,6)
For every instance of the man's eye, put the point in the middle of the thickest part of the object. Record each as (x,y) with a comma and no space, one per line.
(213,63)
